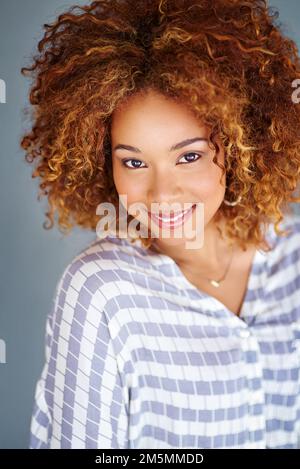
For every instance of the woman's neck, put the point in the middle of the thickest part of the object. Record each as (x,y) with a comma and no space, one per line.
(209,258)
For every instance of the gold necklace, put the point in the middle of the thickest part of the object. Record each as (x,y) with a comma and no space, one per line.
(216,283)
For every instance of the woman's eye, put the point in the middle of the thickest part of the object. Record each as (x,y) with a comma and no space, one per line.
(187,155)
(136,163)
(124,162)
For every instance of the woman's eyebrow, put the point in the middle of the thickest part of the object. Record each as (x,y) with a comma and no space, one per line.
(177,146)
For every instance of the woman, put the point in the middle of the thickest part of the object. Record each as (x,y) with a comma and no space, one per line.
(150,344)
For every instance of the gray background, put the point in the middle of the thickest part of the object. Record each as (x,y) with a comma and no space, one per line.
(32,259)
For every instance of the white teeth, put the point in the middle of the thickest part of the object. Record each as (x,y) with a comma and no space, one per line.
(168,219)
(173,218)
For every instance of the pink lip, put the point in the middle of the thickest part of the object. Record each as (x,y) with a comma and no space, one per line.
(172,224)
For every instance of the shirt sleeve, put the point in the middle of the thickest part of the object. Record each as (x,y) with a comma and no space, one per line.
(80,400)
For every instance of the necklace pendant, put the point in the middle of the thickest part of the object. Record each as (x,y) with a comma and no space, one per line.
(214,283)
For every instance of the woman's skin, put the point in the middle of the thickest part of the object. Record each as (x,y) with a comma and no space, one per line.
(153,123)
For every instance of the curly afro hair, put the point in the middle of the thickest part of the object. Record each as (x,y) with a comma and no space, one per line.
(228,60)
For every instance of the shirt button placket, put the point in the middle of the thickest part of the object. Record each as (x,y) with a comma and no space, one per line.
(254,370)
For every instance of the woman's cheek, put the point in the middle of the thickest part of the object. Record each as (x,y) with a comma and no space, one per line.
(123,183)
(133,191)
(203,188)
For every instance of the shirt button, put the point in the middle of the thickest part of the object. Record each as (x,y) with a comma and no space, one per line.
(244,333)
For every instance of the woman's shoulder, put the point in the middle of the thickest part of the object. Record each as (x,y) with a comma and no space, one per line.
(92,287)
(111,254)
(291,225)
(106,268)
(285,248)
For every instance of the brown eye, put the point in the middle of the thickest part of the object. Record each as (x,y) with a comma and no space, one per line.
(131,167)
(136,164)
(187,155)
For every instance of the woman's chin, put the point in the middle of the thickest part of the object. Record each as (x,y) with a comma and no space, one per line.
(172,240)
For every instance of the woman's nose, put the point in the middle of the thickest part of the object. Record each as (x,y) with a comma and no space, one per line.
(164,187)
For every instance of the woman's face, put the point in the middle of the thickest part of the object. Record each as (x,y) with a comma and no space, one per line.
(151,171)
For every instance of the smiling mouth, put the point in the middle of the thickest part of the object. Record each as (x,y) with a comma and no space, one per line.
(172,220)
